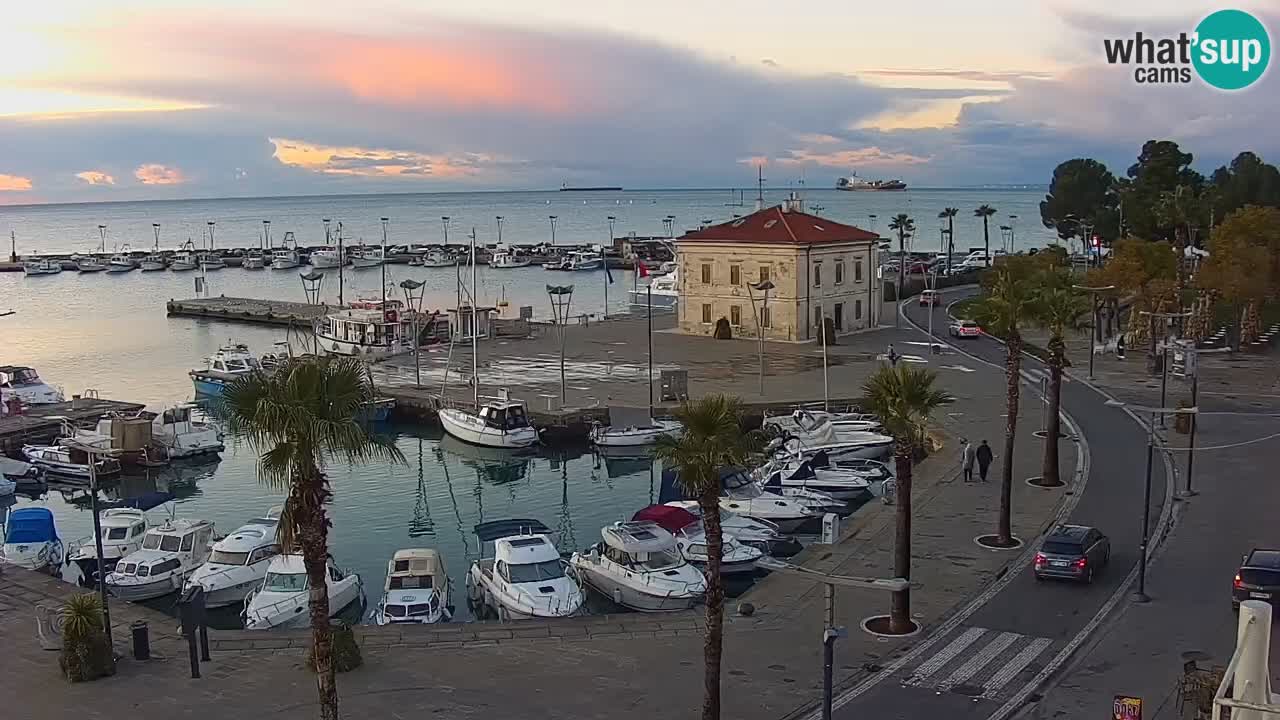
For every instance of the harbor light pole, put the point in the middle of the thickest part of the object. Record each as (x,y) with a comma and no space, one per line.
(413,293)
(561,296)
(552,218)
(92,452)
(499,219)
(266,232)
(764,286)
(648,299)
(444,221)
(1093,306)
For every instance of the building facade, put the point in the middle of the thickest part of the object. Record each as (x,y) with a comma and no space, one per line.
(818,268)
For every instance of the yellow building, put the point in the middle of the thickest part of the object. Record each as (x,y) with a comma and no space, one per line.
(818,268)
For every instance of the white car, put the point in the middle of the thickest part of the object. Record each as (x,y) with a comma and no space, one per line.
(963,329)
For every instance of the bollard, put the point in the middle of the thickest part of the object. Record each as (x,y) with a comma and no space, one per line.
(141,640)
(204,643)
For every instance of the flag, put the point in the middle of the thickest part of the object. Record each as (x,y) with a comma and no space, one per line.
(641,270)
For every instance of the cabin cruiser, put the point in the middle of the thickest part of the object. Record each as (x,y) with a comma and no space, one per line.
(840,422)
(285,258)
(183,436)
(71,462)
(439,258)
(584,260)
(210,261)
(499,423)
(42,267)
(31,540)
(89,264)
(691,539)
(122,532)
(230,363)
(629,428)
(664,291)
(417,589)
(740,493)
(238,562)
(367,257)
(813,433)
(254,260)
(185,259)
(638,565)
(849,447)
(169,554)
(26,384)
(787,471)
(759,534)
(153,262)
(526,576)
(367,329)
(506,258)
(121,262)
(284,597)
(326,257)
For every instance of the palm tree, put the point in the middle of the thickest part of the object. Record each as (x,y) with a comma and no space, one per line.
(298,419)
(905,227)
(949,214)
(985,212)
(1002,311)
(1058,308)
(903,397)
(712,439)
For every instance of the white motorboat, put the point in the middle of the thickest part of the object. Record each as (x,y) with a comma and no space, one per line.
(31,540)
(230,363)
(325,257)
(89,264)
(283,599)
(630,428)
(238,562)
(185,259)
(781,476)
(151,263)
(122,533)
(366,257)
(740,493)
(210,261)
(69,462)
(846,447)
(805,430)
(840,422)
(505,259)
(254,260)
(664,290)
(416,590)
(584,260)
(439,258)
(16,473)
(759,534)
(183,436)
(285,258)
(557,263)
(500,423)
(42,267)
(24,383)
(169,554)
(121,262)
(691,539)
(526,576)
(639,566)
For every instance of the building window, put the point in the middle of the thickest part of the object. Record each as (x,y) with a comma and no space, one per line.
(837,316)
(735,315)
(765,320)
(857,271)
(706,273)
(706,311)
(735,275)
(817,274)
(764,275)
(839,272)
(857,310)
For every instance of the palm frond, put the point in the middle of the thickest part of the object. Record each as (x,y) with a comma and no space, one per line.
(904,398)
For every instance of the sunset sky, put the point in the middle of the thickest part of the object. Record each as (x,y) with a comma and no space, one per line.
(142,99)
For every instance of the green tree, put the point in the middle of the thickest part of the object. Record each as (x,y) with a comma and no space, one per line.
(1003,310)
(1246,181)
(1242,265)
(1161,168)
(985,212)
(903,397)
(949,214)
(1082,192)
(298,419)
(713,439)
(1148,273)
(1059,308)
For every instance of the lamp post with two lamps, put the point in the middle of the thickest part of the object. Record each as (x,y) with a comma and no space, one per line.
(1093,316)
(413,293)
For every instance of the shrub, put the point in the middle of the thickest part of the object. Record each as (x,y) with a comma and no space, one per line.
(86,654)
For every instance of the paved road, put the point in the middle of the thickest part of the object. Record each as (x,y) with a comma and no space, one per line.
(974,670)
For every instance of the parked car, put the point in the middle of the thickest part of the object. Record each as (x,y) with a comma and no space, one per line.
(964,328)
(1258,577)
(929,298)
(1072,552)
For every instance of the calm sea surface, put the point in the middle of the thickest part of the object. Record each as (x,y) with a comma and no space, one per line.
(110,333)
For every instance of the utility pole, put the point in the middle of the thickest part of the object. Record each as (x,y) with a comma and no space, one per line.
(1093,316)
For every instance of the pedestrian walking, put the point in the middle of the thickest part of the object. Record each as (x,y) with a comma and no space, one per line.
(892,355)
(967,456)
(983,456)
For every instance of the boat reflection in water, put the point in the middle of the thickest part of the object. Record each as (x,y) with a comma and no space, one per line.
(496,466)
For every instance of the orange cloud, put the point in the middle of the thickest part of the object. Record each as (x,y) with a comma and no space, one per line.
(14,183)
(97,177)
(847,158)
(375,162)
(155,174)
(755,160)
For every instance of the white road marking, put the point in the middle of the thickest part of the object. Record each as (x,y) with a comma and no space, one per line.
(979,661)
(992,687)
(960,368)
(944,656)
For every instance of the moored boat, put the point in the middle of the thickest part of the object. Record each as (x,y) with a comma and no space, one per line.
(638,565)
(31,540)
(229,363)
(169,554)
(42,267)
(500,422)
(416,589)
(631,428)
(282,600)
(691,539)
(69,462)
(525,577)
(238,562)
(122,533)
(254,260)
(24,383)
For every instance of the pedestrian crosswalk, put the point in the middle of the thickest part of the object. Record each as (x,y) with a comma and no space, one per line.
(978,662)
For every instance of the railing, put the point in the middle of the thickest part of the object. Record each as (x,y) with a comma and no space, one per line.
(1248,676)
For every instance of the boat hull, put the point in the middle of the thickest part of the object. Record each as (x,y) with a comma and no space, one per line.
(135,592)
(636,437)
(633,598)
(641,299)
(292,612)
(455,423)
(152,265)
(34,556)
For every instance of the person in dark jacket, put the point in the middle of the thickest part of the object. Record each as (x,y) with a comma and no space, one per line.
(983,456)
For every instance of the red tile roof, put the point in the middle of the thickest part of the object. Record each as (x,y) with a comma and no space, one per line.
(774,226)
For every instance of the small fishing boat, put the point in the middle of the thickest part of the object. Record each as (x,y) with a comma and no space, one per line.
(378,410)
(211,261)
(238,562)
(500,422)
(525,577)
(69,462)
(90,264)
(254,260)
(182,436)
(20,474)
(639,566)
(122,533)
(439,258)
(121,262)
(325,257)
(368,329)
(284,596)
(416,590)
(228,364)
(365,257)
(286,257)
(185,259)
(42,267)
(170,554)
(152,263)
(506,258)
(31,540)
(585,260)
(663,292)
(628,427)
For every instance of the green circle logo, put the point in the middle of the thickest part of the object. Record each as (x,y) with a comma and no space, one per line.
(1232,49)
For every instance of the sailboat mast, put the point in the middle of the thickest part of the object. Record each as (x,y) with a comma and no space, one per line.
(475,327)
(384,267)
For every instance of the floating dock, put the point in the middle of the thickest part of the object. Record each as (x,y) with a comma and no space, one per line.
(40,424)
(249,310)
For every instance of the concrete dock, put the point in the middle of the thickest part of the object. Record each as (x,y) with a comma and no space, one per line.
(248,310)
(43,423)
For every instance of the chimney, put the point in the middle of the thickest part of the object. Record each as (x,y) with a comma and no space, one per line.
(793,203)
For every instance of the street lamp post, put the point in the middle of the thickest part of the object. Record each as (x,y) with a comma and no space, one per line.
(92,452)
(552,218)
(211,224)
(561,296)
(444,221)
(499,219)
(763,286)
(266,233)
(413,294)
(1093,317)
(1163,347)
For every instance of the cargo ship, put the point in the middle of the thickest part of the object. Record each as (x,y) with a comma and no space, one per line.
(588,188)
(853,182)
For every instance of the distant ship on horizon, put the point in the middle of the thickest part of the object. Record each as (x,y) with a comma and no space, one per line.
(853,182)
(566,187)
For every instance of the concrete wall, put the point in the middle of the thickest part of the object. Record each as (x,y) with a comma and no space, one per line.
(794,301)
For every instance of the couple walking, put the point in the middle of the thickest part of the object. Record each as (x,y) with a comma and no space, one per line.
(968,455)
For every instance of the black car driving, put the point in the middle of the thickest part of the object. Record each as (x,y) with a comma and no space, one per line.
(1072,552)
(1258,577)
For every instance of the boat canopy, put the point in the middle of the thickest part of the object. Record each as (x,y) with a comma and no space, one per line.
(668,517)
(28,526)
(416,568)
(495,529)
(637,537)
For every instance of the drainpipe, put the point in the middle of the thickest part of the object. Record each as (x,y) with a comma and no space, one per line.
(871,283)
(808,293)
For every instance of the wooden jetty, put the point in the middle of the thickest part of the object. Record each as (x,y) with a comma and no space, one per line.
(249,310)
(43,423)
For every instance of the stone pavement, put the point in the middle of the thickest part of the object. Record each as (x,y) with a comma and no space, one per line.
(614,667)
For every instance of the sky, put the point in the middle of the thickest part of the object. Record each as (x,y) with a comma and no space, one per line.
(154,99)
